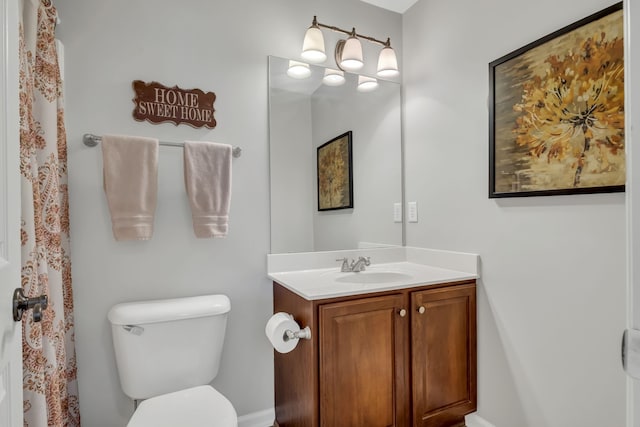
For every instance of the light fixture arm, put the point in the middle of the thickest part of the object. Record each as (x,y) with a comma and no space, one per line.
(350,33)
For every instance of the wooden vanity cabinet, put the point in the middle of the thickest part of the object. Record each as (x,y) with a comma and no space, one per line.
(389,359)
(362,364)
(443,355)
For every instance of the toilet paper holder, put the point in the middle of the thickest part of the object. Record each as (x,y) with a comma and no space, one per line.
(304,333)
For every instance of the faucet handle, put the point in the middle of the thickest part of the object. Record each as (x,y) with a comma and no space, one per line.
(367,261)
(345,264)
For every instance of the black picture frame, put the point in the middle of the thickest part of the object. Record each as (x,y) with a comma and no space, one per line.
(538,112)
(334,170)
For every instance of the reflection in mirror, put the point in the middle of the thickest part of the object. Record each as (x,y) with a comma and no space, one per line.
(304,114)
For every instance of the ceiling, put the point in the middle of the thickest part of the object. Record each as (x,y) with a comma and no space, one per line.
(399,6)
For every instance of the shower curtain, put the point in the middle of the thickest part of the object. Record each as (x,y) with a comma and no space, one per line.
(49,361)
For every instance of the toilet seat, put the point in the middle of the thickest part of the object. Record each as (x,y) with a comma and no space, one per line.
(200,406)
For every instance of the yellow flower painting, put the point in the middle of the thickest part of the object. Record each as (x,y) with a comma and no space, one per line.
(335,178)
(558,112)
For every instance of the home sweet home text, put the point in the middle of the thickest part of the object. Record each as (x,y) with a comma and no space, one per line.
(157,103)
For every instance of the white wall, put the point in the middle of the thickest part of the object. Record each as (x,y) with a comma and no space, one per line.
(292,195)
(632,106)
(551,301)
(374,118)
(213,45)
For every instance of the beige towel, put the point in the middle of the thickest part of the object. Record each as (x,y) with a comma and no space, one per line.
(131,184)
(207,176)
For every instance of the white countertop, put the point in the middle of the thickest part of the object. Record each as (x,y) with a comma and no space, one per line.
(321,283)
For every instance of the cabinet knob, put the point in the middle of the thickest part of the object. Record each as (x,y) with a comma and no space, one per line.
(402,312)
(421,309)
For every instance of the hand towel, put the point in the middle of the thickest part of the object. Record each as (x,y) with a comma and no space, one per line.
(130,166)
(207,176)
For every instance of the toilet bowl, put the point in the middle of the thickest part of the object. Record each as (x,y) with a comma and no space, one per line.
(201,406)
(167,352)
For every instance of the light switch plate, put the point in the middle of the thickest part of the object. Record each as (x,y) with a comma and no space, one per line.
(413,211)
(397,212)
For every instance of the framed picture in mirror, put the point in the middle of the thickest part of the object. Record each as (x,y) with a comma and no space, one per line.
(335,173)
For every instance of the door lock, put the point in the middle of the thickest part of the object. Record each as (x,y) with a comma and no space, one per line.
(21,304)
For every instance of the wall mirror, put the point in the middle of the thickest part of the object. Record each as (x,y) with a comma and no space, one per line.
(304,114)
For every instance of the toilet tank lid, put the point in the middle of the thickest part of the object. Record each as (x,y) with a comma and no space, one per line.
(141,312)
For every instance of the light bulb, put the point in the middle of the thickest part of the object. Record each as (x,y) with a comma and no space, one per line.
(387,63)
(351,58)
(298,70)
(313,45)
(333,77)
(367,84)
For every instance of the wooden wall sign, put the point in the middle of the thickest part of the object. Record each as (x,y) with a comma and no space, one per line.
(157,103)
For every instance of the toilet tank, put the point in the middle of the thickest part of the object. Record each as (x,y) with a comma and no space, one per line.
(168,345)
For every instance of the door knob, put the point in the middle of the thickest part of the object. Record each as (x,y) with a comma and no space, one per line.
(631,353)
(421,309)
(22,304)
(402,312)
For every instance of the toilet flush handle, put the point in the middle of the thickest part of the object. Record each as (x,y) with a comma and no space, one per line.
(134,329)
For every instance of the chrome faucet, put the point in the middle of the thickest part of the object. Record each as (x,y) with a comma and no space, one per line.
(355,266)
(360,264)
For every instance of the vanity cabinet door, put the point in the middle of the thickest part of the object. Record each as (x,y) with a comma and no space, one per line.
(362,362)
(443,355)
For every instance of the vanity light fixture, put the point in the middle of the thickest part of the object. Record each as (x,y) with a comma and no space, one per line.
(313,45)
(348,53)
(387,61)
(298,70)
(333,77)
(367,84)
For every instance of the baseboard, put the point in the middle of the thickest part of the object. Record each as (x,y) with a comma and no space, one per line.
(266,417)
(474,420)
(258,419)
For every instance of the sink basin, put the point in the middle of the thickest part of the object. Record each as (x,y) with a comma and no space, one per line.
(373,277)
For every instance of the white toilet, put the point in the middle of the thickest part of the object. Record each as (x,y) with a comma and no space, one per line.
(167,352)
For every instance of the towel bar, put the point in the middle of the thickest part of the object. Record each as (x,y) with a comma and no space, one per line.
(91,140)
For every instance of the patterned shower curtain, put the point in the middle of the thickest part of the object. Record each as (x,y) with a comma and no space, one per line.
(49,361)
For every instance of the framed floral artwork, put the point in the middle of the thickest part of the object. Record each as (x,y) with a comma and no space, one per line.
(335,173)
(556,112)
